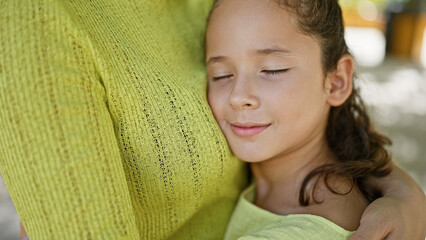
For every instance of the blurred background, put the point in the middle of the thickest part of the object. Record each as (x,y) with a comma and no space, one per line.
(388,40)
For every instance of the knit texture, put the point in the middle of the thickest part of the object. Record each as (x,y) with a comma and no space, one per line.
(105,131)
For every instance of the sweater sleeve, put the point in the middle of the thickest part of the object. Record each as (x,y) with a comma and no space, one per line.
(58,152)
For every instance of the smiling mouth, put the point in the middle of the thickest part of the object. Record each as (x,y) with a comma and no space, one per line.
(248,131)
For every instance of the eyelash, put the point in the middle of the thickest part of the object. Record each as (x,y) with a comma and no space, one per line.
(222,77)
(269,72)
(275,72)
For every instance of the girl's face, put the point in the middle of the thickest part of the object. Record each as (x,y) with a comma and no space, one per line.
(266,84)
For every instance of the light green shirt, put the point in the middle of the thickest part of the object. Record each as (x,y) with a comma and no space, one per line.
(250,222)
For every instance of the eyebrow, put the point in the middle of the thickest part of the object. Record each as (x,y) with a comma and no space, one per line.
(216,59)
(266,51)
(272,50)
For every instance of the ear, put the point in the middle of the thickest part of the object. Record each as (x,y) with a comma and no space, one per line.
(339,82)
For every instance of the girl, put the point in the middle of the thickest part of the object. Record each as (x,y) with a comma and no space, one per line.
(281,90)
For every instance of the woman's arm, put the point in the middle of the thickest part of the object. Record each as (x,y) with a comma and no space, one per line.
(400,214)
(59,156)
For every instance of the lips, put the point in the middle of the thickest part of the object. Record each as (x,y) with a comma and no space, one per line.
(248,129)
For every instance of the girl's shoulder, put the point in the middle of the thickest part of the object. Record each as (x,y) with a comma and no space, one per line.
(344,209)
(250,222)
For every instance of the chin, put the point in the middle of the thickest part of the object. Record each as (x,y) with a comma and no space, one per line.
(248,156)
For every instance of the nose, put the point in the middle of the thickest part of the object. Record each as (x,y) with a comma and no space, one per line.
(244,95)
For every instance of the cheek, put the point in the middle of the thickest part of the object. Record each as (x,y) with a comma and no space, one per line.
(298,105)
(215,100)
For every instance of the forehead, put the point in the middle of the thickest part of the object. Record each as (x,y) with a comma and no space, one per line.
(254,24)
(237,11)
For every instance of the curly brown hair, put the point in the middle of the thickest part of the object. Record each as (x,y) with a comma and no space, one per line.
(359,149)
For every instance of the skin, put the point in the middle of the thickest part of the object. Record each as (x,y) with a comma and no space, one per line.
(271,99)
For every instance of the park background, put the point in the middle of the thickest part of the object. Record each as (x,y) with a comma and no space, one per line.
(388,41)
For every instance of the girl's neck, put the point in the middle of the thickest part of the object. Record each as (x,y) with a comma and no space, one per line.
(278,180)
(278,183)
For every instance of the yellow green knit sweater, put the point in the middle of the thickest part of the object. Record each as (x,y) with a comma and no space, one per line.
(105,132)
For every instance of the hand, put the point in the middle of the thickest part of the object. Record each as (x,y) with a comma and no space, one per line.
(392,218)
(23,233)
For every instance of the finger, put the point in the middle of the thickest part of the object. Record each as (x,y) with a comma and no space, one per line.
(393,236)
(22,233)
(368,234)
(370,230)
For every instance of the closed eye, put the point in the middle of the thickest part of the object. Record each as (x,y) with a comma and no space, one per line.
(274,72)
(222,77)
